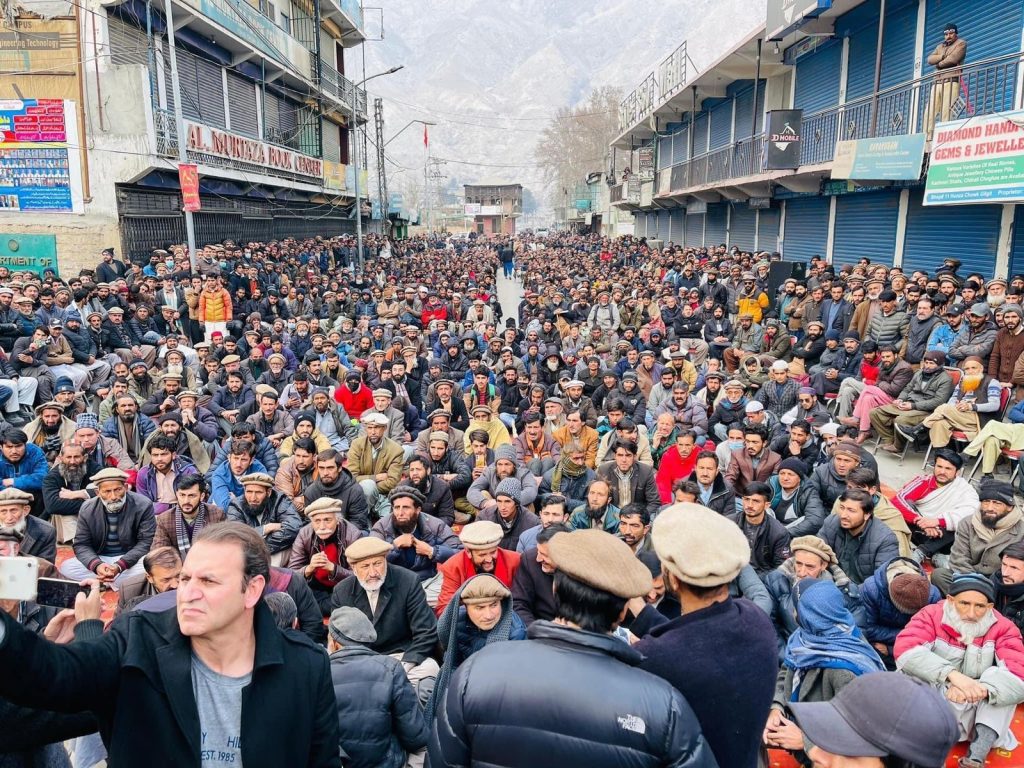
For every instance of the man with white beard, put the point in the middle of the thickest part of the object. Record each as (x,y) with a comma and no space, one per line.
(392,598)
(35,537)
(115,530)
(972,654)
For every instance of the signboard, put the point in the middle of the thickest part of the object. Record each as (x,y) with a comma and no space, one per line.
(785,15)
(891,158)
(646,163)
(188,180)
(978,160)
(760,202)
(633,190)
(203,140)
(38,172)
(696,207)
(39,45)
(490,210)
(473,209)
(334,176)
(782,141)
(28,253)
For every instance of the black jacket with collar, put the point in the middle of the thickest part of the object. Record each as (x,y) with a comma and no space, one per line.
(40,540)
(404,622)
(137,680)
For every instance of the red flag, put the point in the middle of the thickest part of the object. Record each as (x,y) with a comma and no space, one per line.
(425,140)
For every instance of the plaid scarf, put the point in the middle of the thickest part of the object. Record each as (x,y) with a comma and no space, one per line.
(181,531)
(568,468)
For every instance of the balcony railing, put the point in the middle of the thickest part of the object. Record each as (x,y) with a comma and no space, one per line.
(986,87)
(337,85)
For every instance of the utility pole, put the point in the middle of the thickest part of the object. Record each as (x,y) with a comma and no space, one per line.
(382,179)
(179,122)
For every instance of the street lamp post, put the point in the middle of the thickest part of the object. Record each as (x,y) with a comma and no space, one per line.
(355,157)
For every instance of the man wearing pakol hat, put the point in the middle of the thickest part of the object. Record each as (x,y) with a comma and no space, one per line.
(382,399)
(380,721)
(115,529)
(392,598)
(376,462)
(701,553)
(34,536)
(421,541)
(981,538)
(481,553)
(596,574)
(929,388)
(974,656)
(268,511)
(483,418)
(319,549)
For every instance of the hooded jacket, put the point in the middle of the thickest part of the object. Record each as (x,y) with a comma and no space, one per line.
(278,509)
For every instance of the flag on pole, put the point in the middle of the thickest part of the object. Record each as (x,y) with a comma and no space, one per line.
(425,140)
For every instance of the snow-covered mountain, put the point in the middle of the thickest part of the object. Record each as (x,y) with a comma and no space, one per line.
(490,72)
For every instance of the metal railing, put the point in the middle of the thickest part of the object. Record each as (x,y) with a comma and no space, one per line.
(672,72)
(335,84)
(986,87)
(657,88)
(639,104)
(166,128)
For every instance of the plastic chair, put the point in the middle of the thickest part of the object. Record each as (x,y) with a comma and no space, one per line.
(959,436)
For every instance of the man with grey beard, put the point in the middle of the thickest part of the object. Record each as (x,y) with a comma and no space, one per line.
(973,655)
(35,537)
(64,485)
(115,530)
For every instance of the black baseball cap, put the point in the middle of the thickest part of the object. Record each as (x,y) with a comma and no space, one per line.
(881,714)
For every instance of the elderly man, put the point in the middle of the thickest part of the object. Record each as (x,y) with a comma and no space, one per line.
(420,541)
(50,429)
(935,505)
(319,550)
(35,537)
(480,554)
(376,461)
(178,526)
(481,493)
(268,511)
(975,657)
(115,530)
(701,553)
(981,539)
(391,597)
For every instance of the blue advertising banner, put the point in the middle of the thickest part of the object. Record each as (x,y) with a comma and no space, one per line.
(889,158)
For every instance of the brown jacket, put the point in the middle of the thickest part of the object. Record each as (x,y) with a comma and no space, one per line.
(741,469)
(390,459)
(588,439)
(166,536)
(1005,364)
(288,481)
(307,543)
(948,58)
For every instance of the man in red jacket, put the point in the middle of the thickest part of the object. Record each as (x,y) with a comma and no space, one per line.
(480,554)
(354,396)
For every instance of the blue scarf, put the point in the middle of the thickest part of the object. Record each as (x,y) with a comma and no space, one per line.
(828,637)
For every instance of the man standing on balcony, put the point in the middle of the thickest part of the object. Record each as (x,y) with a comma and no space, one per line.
(946,58)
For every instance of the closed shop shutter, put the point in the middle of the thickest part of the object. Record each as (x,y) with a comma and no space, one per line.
(990,27)
(817,78)
(899,48)
(680,145)
(128,44)
(714,228)
(700,135)
(721,124)
(211,93)
(664,152)
(242,103)
(744,111)
(768,229)
(657,223)
(861,26)
(866,227)
(270,112)
(742,226)
(675,226)
(934,232)
(695,230)
(327,51)
(332,142)
(188,79)
(806,228)
(1017,251)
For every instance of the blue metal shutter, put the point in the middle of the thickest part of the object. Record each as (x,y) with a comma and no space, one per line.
(695,230)
(968,232)
(660,224)
(806,232)
(700,135)
(721,124)
(714,228)
(861,26)
(866,226)
(1017,251)
(664,152)
(742,226)
(676,226)
(744,107)
(768,229)
(817,78)
(899,48)
(990,27)
(680,145)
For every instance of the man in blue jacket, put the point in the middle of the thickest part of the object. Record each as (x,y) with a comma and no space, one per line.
(226,480)
(22,464)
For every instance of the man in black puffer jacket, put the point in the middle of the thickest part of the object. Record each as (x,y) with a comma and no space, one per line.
(493,714)
(379,716)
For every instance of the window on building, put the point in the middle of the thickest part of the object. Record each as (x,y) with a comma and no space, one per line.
(286,23)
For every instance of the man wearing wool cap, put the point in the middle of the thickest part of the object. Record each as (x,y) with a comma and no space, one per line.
(528,686)
(701,552)
(482,493)
(509,513)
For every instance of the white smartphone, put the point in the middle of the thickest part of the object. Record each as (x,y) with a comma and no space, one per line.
(18,577)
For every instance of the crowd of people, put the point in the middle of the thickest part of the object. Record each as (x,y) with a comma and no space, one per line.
(355,513)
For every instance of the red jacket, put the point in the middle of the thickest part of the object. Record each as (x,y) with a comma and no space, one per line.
(458,569)
(356,402)
(440,312)
(673,467)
